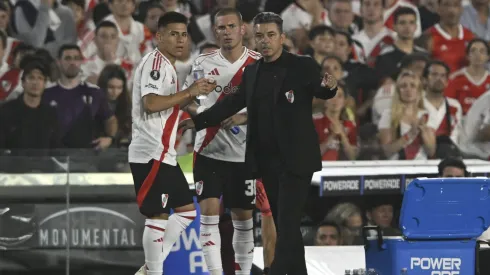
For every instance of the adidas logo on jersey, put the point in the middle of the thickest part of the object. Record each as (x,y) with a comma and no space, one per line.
(214,72)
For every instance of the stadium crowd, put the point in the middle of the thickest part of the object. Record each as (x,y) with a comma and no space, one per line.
(414,80)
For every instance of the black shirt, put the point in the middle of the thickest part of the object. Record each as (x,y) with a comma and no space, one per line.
(23,127)
(264,102)
(388,62)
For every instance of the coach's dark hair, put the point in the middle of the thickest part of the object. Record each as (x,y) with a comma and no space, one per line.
(435,63)
(228,11)
(105,24)
(268,17)
(477,40)
(207,46)
(68,47)
(452,162)
(403,11)
(172,17)
(319,30)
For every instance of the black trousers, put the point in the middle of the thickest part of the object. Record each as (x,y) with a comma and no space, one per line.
(287,195)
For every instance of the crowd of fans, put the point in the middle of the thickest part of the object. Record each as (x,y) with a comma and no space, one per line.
(411,74)
(413,77)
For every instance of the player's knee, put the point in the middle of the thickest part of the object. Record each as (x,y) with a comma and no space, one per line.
(238,214)
(209,206)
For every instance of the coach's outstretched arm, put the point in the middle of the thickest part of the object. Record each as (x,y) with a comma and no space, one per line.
(322,87)
(153,102)
(223,109)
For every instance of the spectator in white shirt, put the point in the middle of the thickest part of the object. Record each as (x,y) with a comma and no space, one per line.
(106,41)
(403,129)
(445,114)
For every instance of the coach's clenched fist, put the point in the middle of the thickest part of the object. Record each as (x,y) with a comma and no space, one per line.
(202,86)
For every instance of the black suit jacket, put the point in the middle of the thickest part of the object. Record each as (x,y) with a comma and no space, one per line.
(296,135)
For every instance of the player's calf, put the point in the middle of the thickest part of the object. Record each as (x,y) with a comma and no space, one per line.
(153,236)
(243,240)
(210,237)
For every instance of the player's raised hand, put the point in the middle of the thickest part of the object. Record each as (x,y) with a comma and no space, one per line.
(186,124)
(202,86)
(329,81)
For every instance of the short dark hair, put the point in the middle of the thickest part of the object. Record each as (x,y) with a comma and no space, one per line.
(346,35)
(172,17)
(403,11)
(408,60)
(477,40)
(451,162)
(207,46)
(268,17)
(228,11)
(319,30)
(34,65)
(21,48)
(330,223)
(68,47)
(3,39)
(435,63)
(105,24)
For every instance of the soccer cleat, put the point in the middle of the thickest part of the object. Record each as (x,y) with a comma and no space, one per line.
(141,271)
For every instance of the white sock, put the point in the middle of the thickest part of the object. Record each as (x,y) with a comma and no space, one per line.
(243,244)
(211,244)
(177,223)
(153,237)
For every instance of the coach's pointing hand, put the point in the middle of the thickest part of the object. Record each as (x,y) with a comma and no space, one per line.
(329,81)
(202,86)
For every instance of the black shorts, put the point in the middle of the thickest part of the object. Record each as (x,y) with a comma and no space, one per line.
(214,178)
(159,187)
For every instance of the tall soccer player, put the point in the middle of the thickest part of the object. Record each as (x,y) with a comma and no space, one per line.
(159,182)
(219,167)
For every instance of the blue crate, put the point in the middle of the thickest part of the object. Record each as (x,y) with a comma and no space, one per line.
(440,221)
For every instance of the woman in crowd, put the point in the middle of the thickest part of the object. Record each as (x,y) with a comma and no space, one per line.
(112,80)
(404,133)
(349,217)
(336,132)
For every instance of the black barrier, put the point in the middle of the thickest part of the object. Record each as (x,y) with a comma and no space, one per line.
(98,227)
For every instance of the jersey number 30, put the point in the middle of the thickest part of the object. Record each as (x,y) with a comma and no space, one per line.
(250,189)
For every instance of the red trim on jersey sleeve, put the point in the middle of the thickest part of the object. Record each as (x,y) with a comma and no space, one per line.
(167,133)
(10,59)
(235,81)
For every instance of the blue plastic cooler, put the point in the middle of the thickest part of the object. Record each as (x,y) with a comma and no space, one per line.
(440,220)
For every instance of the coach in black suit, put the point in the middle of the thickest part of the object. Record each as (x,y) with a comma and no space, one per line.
(282,144)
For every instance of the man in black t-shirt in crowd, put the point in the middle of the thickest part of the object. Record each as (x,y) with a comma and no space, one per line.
(24,122)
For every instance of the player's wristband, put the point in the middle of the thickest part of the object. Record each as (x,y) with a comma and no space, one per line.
(266,213)
(200,109)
